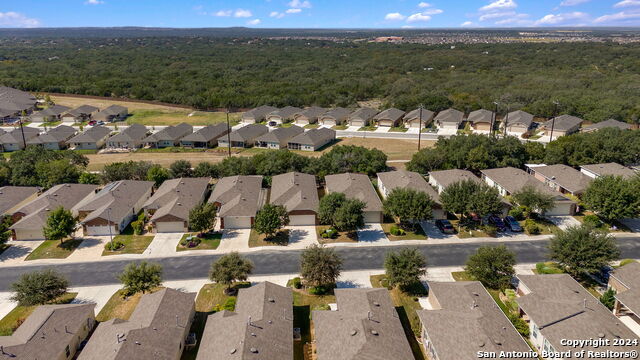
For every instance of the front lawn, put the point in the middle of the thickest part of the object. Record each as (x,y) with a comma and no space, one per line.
(311,126)
(614,226)
(256,240)
(133,244)
(546,227)
(53,249)
(368,128)
(343,236)
(340,127)
(398,129)
(467,232)
(120,307)
(418,234)
(548,267)
(19,314)
(208,242)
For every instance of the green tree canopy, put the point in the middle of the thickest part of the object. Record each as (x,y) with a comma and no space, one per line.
(39,287)
(158,175)
(582,249)
(320,266)
(408,205)
(492,266)
(471,197)
(202,217)
(230,268)
(404,267)
(89,178)
(613,197)
(271,219)
(533,200)
(140,277)
(60,224)
(180,169)
(349,216)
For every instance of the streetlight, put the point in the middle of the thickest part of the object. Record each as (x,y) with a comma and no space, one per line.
(228,133)
(109,226)
(420,125)
(553,120)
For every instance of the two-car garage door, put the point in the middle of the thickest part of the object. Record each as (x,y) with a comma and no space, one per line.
(302,220)
(101,230)
(237,222)
(170,226)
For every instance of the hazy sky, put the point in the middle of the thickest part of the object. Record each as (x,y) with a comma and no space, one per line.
(319,13)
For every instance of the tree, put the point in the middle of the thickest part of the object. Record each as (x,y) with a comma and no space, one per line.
(230,268)
(130,170)
(408,205)
(405,267)
(471,197)
(533,200)
(60,225)
(180,168)
(320,266)
(39,287)
(206,169)
(140,277)
(5,232)
(455,197)
(202,217)
(485,200)
(349,216)
(89,178)
(613,197)
(608,299)
(55,172)
(328,205)
(270,219)
(158,175)
(492,266)
(582,249)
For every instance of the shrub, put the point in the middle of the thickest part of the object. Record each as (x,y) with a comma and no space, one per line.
(397,231)
(114,245)
(39,287)
(296,283)
(319,290)
(230,304)
(322,307)
(519,324)
(330,233)
(531,227)
(592,220)
(490,230)
(608,299)
(518,212)
(138,227)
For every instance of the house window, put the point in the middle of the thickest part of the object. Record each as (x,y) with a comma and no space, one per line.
(67,351)
(535,331)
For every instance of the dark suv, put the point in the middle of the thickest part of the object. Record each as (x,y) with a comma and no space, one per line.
(497,222)
(512,224)
(445,226)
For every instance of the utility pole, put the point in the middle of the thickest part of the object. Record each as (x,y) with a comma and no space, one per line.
(420,126)
(109,225)
(553,121)
(24,140)
(506,123)
(493,120)
(228,133)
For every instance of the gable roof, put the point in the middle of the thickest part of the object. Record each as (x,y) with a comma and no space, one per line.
(390,114)
(58,134)
(563,122)
(413,115)
(286,112)
(93,134)
(207,133)
(614,169)
(363,114)
(407,180)
(295,191)
(519,117)
(314,137)
(238,195)
(467,311)
(447,177)
(14,100)
(355,186)
(611,123)
(135,132)
(176,197)
(82,110)
(259,113)
(260,328)
(313,112)
(449,116)
(280,135)
(565,176)
(15,136)
(513,180)
(11,196)
(629,276)
(114,202)
(365,326)
(248,133)
(481,116)
(54,110)
(170,133)
(339,114)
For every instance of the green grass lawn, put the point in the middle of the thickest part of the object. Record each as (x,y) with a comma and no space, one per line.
(340,127)
(208,242)
(620,227)
(171,149)
(160,117)
(119,306)
(398,129)
(465,233)
(53,249)
(256,240)
(343,236)
(311,126)
(19,314)
(548,267)
(368,128)
(546,227)
(133,244)
(418,234)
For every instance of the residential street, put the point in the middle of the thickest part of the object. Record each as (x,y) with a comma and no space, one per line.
(281,262)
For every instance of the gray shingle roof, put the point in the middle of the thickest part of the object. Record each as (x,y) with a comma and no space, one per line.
(366,326)
(135,132)
(115,202)
(83,110)
(610,169)
(285,113)
(519,117)
(629,276)
(207,133)
(565,176)
(248,133)
(449,116)
(176,197)
(611,123)
(54,110)
(281,135)
(311,113)
(563,122)
(365,114)
(295,191)
(467,321)
(14,100)
(15,136)
(93,134)
(513,180)
(447,177)
(11,196)
(355,186)
(260,328)
(170,133)
(480,116)
(259,113)
(58,134)
(238,195)
(412,115)
(339,114)
(314,137)
(390,114)
(408,180)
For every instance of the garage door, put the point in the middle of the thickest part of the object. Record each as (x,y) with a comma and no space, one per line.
(415,124)
(560,210)
(386,123)
(329,123)
(236,222)
(29,235)
(372,216)
(357,123)
(302,220)
(170,227)
(100,230)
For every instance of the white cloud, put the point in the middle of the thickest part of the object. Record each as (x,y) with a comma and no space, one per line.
(573,2)
(277,15)
(93,2)
(496,15)
(519,19)
(300,4)
(293,11)
(561,19)
(254,22)
(621,16)
(466,24)
(394,17)
(424,5)
(418,17)
(627,3)
(14,19)
(242,13)
(223,13)
(499,5)
(432,12)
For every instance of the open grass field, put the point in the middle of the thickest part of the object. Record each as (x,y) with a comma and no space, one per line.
(19,314)
(75,101)
(98,161)
(396,149)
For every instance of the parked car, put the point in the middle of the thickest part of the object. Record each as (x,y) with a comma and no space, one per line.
(445,226)
(92,123)
(497,222)
(101,122)
(273,123)
(512,224)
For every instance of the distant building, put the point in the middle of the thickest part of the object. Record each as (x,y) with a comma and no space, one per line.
(481,120)
(206,137)
(412,118)
(54,139)
(244,137)
(611,123)
(389,118)
(92,139)
(283,115)
(111,114)
(14,102)
(79,114)
(15,140)
(278,138)
(333,117)
(562,125)
(257,115)
(308,116)
(52,113)
(169,136)
(449,119)
(362,117)
(517,123)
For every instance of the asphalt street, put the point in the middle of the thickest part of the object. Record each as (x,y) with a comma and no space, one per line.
(284,262)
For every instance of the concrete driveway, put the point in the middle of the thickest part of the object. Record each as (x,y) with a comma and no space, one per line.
(163,244)
(301,237)
(633,224)
(563,221)
(18,251)
(432,231)
(89,249)
(98,295)
(372,234)
(234,240)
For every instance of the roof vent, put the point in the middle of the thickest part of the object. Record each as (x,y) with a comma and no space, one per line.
(353,332)
(253,334)
(601,335)
(481,343)
(254,350)
(375,303)
(374,332)
(138,343)
(233,351)
(271,300)
(476,294)
(497,342)
(270,322)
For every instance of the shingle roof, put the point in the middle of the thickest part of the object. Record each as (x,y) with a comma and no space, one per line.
(355,186)
(170,133)
(176,197)
(611,123)
(467,321)
(58,134)
(15,136)
(46,333)
(390,114)
(207,133)
(563,309)
(366,326)
(363,114)
(115,201)
(311,113)
(295,191)
(629,276)
(83,110)
(519,117)
(563,122)
(565,176)
(248,133)
(481,116)
(11,196)
(154,331)
(407,180)
(286,112)
(414,114)
(338,114)
(447,177)
(238,195)
(260,328)
(449,116)
(15,100)
(109,112)
(93,134)
(135,132)
(259,113)
(610,169)
(54,110)
(513,180)
(314,137)
(281,135)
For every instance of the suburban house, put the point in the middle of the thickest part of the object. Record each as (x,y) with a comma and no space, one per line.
(611,123)
(32,216)
(388,181)
(112,208)
(257,115)
(238,199)
(54,139)
(308,116)
(130,138)
(52,113)
(412,119)
(449,119)
(206,137)
(168,209)
(481,120)
(79,114)
(312,140)
(111,113)
(443,178)
(389,118)
(283,115)
(562,125)
(364,326)
(14,102)
(169,136)
(362,117)
(510,180)
(561,178)
(14,140)
(625,281)
(92,139)
(278,138)
(517,123)
(260,327)
(298,193)
(14,197)
(557,307)
(157,329)
(357,186)
(333,117)
(463,321)
(596,170)
(50,332)
(244,137)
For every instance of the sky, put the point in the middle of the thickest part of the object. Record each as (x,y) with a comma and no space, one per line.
(319,13)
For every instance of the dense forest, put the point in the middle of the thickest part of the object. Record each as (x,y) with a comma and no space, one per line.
(596,81)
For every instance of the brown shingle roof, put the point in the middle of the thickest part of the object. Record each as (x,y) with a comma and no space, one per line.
(481,116)
(314,137)
(285,113)
(447,177)
(449,116)
(339,114)
(519,117)
(610,169)
(312,113)
(207,133)
(563,122)
(114,202)
(365,114)
(390,114)
(565,176)
(176,197)
(295,191)
(11,196)
(427,116)
(407,180)
(355,186)
(238,195)
(259,113)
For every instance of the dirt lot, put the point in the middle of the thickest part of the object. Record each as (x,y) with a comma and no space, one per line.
(73,101)
(394,148)
(98,161)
